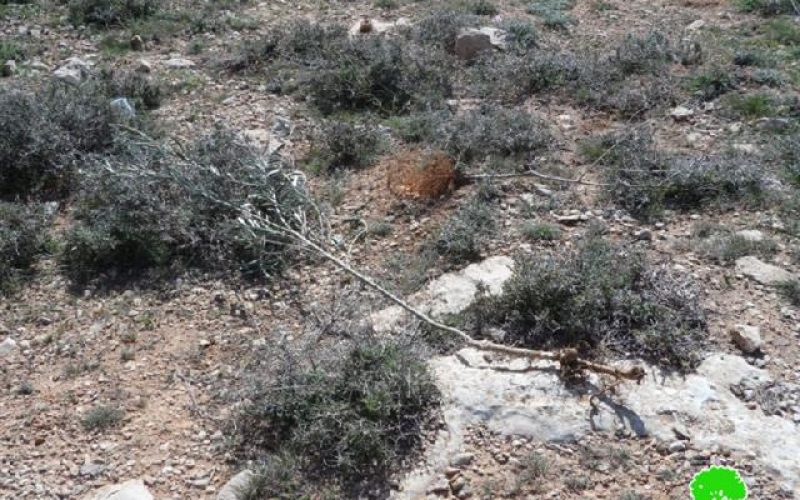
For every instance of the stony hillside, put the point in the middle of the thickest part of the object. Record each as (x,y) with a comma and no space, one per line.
(398,248)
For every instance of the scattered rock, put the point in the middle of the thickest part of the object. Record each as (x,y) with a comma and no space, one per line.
(281,127)
(38,66)
(233,488)
(7,346)
(681,113)
(570,220)
(73,72)
(696,25)
(129,490)
(137,44)
(537,404)
(681,432)
(462,460)
(566,122)
(747,338)
(92,469)
(144,66)
(123,108)
(457,484)
(440,487)
(677,446)
(471,42)
(9,68)
(497,37)
(748,149)
(178,63)
(450,293)
(365,26)
(763,273)
(753,235)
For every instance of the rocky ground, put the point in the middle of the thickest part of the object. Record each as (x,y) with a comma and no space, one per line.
(170,357)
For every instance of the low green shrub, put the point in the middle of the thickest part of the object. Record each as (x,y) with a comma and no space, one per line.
(11,50)
(521,34)
(461,237)
(644,180)
(768,7)
(151,207)
(712,83)
(106,13)
(494,131)
(347,416)
(601,297)
(420,127)
(643,54)
(47,134)
(441,28)
(751,106)
(537,231)
(408,272)
(381,75)
(514,77)
(299,42)
(23,230)
(347,146)
(102,417)
(553,12)
(145,91)
(726,247)
(790,290)
(634,80)
(483,8)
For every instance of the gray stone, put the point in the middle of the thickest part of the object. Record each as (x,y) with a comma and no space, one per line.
(471,42)
(178,63)
(529,399)
(129,490)
(696,25)
(497,37)
(281,127)
(233,488)
(92,469)
(774,124)
(457,484)
(73,72)
(365,26)
(462,459)
(681,432)
(763,273)
(450,293)
(747,338)
(681,113)
(9,68)
(137,43)
(123,108)
(535,403)
(677,446)
(441,487)
(748,149)
(7,346)
(570,220)
(753,235)
(144,66)
(38,66)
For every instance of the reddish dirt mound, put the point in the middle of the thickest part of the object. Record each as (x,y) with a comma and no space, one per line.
(420,173)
